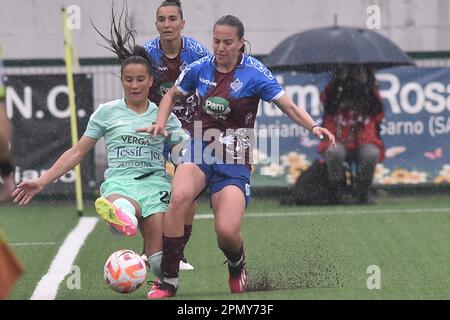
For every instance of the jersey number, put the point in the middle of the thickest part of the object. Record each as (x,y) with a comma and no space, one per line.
(165,196)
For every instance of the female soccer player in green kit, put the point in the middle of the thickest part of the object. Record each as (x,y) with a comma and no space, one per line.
(136,190)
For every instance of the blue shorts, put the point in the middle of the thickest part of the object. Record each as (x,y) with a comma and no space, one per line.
(219,175)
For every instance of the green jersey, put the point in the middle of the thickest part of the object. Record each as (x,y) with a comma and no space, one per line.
(130,153)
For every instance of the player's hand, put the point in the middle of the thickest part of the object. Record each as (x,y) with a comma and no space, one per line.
(154,130)
(323,133)
(26,190)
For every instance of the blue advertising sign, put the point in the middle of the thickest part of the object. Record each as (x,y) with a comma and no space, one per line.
(416,128)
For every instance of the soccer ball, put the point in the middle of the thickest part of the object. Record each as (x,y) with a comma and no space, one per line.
(125,271)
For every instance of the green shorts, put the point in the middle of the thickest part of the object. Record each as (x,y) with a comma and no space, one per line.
(152,193)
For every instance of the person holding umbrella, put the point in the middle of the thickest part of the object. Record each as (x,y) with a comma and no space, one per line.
(353,111)
(353,108)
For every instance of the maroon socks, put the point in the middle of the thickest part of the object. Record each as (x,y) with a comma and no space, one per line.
(172,253)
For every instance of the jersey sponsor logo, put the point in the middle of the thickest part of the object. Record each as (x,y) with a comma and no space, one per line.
(216,106)
(236,85)
(134,164)
(135,140)
(208,82)
(162,68)
(164,87)
(137,152)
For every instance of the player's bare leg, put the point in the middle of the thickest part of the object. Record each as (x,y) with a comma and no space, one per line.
(229,207)
(183,195)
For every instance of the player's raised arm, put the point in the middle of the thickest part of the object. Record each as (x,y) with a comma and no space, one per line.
(302,118)
(26,190)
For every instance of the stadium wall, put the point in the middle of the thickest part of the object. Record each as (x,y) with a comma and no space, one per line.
(32,28)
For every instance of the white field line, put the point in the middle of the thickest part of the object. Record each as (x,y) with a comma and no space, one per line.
(16,244)
(337,211)
(61,265)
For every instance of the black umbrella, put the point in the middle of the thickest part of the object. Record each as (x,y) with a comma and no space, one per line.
(322,49)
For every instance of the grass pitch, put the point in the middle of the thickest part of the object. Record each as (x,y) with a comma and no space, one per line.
(327,252)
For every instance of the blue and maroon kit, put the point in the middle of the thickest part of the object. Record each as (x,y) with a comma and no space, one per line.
(168,72)
(228,104)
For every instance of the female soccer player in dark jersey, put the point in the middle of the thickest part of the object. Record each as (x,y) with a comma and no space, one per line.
(172,52)
(229,85)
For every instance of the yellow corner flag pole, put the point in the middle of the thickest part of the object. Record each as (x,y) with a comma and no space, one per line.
(69,56)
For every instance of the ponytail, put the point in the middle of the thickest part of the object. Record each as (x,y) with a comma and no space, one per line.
(124,44)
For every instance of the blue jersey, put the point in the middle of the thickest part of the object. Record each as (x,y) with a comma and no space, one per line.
(229,101)
(170,69)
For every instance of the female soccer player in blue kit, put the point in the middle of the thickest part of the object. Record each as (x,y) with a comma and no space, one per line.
(229,85)
(172,52)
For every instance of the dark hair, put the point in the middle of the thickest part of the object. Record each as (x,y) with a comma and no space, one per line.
(363,96)
(233,21)
(124,45)
(172,3)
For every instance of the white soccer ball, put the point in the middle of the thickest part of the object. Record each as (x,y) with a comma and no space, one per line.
(125,271)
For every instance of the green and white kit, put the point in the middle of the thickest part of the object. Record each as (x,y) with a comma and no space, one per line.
(135,160)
